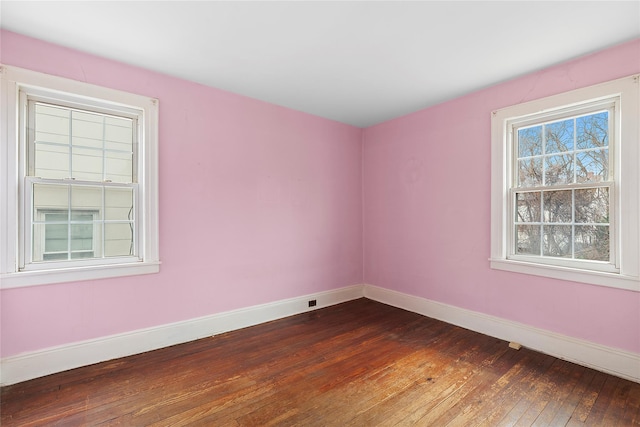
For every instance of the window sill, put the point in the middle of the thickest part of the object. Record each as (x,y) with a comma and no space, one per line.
(612,280)
(47,277)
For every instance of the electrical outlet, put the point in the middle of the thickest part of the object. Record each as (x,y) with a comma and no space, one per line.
(312,303)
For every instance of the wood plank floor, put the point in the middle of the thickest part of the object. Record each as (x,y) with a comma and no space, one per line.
(360,363)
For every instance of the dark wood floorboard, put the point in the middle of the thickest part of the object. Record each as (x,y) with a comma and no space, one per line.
(360,363)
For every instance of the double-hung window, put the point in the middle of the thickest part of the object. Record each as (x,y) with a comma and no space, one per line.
(565,186)
(81,182)
(562,187)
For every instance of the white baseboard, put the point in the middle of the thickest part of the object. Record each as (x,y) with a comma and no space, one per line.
(36,364)
(606,359)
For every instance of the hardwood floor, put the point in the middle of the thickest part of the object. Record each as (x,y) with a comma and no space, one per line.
(360,363)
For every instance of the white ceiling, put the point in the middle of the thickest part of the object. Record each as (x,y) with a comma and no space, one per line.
(360,62)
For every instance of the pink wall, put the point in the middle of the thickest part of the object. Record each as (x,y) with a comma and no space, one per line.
(258,203)
(427,211)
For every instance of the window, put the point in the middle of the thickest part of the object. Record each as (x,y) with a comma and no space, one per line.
(54,239)
(561,189)
(81,182)
(565,186)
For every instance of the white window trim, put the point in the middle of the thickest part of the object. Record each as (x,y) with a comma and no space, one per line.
(12,80)
(627,188)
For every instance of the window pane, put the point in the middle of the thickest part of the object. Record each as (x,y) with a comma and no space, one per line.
(87,130)
(81,237)
(528,239)
(87,164)
(53,120)
(54,256)
(592,242)
(559,136)
(118,240)
(51,161)
(592,205)
(557,206)
(88,126)
(528,207)
(119,204)
(118,133)
(51,240)
(558,169)
(530,172)
(592,166)
(85,198)
(51,218)
(51,156)
(530,141)
(50,197)
(557,241)
(593,130)
(119,167)
(56,237)
(119,139)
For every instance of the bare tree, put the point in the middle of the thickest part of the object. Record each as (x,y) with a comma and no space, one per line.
(564,222)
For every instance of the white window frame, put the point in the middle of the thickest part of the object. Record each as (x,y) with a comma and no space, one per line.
(624,149)
(15,84)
